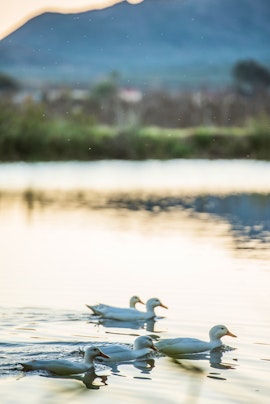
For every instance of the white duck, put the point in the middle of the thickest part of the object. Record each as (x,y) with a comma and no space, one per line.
(102,309)
(176,346)
(65,367)
(134,314)
(142,347)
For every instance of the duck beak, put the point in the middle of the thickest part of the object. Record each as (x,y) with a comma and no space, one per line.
(103,354)
(154,348)
(139,301)
(163,305)
(231,334)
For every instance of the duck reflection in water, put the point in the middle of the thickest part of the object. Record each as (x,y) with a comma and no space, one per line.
(87,379)
(145,366)
(214,357)
(148,325)
(108,323)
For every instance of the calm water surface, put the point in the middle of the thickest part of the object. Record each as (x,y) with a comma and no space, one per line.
(196,234)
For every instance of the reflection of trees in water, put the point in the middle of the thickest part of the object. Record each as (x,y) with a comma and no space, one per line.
(248,214)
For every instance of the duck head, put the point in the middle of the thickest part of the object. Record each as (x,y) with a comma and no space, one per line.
(219,331)
(134,300)
(92,352)
(154,302)
(144,341)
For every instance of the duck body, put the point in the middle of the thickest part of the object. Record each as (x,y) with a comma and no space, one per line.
(59,367)
(132,314)
(65,367)
(105,309)
(184,345)
(143,346)
(177,346)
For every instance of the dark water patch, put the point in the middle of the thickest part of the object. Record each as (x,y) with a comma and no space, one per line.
(25,328)
(9,345)
(261,343)
(216,377)
(247,214)
(32,316)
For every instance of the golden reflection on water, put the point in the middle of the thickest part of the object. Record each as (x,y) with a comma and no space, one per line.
(67,251)
(58,251)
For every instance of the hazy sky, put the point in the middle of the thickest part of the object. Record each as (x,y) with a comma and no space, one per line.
(14,13)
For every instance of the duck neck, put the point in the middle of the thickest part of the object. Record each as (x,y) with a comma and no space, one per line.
(132,304)
(144,351)
(88,360)
(150,309)
(215,342)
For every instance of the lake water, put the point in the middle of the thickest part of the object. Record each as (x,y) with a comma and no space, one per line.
(196,234)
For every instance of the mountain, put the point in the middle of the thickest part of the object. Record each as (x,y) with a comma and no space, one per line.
(171,42)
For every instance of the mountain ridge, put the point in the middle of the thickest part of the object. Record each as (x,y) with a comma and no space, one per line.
(189,41)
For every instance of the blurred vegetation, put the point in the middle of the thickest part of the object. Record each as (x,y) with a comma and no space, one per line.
(28,134)
(251,76)
(98,124)
(8,83)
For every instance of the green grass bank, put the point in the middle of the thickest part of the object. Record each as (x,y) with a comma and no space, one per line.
(29,135)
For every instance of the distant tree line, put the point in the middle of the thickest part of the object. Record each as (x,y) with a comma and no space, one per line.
(247,98)
(8,83)
(251,77)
